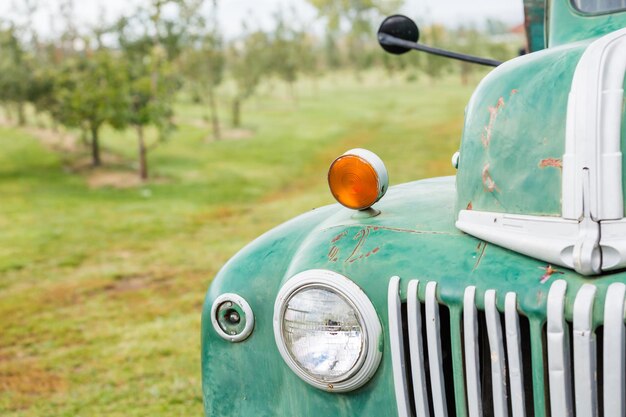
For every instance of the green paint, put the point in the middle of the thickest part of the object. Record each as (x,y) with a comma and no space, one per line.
(416,238)
(456,321)
(515,120)
(567,25)
(534,11)
(539,370)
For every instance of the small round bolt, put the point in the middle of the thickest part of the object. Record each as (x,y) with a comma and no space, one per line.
(455,159)
(233,317)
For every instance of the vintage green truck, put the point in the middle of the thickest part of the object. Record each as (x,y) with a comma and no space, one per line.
(498,292)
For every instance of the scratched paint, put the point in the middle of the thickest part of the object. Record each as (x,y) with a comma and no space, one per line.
(488,182)
(493,116)
(548,272)
(551,162)
(357,252)
(511,125)
(332,254)
(480,250)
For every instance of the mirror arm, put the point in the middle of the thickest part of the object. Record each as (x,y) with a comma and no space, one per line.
(389,40)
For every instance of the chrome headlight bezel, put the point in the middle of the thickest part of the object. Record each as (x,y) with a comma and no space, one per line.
(371,354)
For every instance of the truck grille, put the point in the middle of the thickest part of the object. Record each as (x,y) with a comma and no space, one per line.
(483,358)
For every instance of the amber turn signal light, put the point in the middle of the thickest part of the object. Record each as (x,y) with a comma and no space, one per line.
(358,179)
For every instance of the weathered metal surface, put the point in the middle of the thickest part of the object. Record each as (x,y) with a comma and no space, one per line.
(568,25)
(514,135)
(534,22)
(416,238)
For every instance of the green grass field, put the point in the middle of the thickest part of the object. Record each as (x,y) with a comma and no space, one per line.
(101,288)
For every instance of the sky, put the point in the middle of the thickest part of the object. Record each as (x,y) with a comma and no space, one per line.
(259,12)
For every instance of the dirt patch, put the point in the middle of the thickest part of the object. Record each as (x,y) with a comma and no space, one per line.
(26,377)
(233,134)
(55,140)
(137,282)
(100,178)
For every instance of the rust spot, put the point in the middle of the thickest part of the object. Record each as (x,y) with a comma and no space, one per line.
(332,254)
(488,182)
(549,271)
(469,206)
(372,252)
(493,116)
(361,236)
(358,252)
(338,237)
(514,91)
(551,162)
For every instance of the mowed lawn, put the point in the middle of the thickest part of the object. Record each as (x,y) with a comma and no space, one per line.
(101,288)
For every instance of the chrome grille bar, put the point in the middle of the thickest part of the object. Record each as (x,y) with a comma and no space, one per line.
(428,380)
(396,342)
(514,346)
(435,358)
(614,347)
(584,341)
(472,360)
(420,391)
(558,353)
(496,346)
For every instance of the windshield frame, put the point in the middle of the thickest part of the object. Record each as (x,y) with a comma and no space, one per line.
(597,13)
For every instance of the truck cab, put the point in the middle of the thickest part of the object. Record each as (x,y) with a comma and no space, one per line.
(497,292)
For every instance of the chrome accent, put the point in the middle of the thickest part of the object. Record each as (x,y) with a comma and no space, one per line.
(558,353)
(507,346)
(496,346)
(513,346)
(472,359)
(584,340)
(420,390)
(435,358)
(396,342)
(614,347)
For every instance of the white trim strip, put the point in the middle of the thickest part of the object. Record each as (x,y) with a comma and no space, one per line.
(593,133)
(472,360)
(614,347)
(585,353)
(550,239)
(435,357)
(397,347)
(496,345)
(558,353)
(417,351)
(514,346)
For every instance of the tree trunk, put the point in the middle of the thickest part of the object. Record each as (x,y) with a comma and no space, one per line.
(21,116)
(215,121)
(237,112)
(9,113)
(95,147)
(292,92)
(143,161)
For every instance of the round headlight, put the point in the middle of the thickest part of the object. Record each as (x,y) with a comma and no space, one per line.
(327,330)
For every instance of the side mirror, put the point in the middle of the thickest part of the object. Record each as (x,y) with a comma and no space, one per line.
(398,35)
(400,27)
